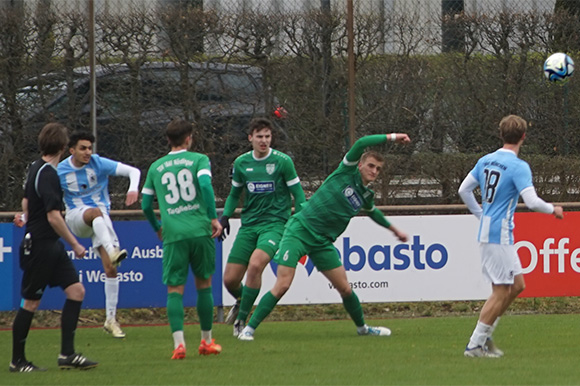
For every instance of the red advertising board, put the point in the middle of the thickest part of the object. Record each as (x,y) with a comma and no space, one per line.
(549,250)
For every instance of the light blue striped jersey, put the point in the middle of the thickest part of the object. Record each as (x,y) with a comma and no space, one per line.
(502,176)
(87,185)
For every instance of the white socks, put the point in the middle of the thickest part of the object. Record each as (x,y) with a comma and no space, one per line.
(178,339)
(362,330)
(111,297)
(206,335)
(479,336)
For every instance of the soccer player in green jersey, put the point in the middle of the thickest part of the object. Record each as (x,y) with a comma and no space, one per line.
(182,182)
(322,219)
(268,178)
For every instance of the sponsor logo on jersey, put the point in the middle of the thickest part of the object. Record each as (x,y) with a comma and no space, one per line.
(352,197)
(270,168)
(261,186)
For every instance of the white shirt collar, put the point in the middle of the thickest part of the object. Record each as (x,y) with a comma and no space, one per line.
(263,158)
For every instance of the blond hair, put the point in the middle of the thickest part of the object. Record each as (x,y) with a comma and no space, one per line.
(512,128)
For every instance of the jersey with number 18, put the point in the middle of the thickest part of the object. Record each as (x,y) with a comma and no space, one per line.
(174,179)
(502,176)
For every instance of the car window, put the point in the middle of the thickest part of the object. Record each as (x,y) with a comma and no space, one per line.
(237,85)
(160,87)
(115,95)
(222,92)
(62,106)
(208,87)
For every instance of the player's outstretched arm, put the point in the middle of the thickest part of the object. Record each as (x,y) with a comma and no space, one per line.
(358,148)
(402,236)
(377,216)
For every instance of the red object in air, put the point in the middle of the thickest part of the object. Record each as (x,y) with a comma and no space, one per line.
(281,113)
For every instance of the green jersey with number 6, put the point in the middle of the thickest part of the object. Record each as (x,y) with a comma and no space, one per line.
(266,183)
(174,179)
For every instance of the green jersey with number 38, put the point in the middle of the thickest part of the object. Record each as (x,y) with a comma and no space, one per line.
(174,179)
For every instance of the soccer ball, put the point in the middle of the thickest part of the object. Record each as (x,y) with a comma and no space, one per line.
(558,67)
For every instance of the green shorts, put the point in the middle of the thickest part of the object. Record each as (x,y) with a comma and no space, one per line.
(265,237)
(297,241)
(198,252)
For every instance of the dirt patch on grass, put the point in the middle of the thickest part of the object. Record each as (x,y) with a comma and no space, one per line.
(149,316)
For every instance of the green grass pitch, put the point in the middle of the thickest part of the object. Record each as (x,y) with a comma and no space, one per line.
(539,350)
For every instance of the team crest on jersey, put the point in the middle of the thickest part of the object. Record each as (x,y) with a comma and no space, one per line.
(270,168)
(352,197)
(91,177)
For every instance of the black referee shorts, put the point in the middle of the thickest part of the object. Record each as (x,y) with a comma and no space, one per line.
(47,264)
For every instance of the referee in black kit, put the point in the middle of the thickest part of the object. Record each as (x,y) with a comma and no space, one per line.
(43,258)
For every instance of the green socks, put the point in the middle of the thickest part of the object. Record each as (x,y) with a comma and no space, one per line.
(354,309)
(238,292)
(175,312)
(249,296)
(205,308)
(266,305)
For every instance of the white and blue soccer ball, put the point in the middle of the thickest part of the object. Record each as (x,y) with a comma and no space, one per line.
(558,66)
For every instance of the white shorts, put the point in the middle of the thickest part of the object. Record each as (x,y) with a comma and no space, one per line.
(500,263)
(76,223)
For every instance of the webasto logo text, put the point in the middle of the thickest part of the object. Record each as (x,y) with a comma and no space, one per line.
(96,276)
(397,257)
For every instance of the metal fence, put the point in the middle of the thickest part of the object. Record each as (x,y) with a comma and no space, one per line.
(444,71)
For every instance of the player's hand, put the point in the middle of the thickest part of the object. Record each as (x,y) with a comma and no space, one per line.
(79,250)
(403,138)
(160,233)
(131,198)
(216,228)
(559,212)
(225,223)
(19,219)
(402,236)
